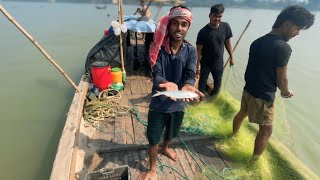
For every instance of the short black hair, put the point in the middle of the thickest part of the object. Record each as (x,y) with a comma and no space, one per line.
(297,15)
(181,6)
(217,9)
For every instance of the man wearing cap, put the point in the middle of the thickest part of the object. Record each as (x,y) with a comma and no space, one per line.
(173,62)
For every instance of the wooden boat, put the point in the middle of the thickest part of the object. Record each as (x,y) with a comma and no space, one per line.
(120,141)
(101,7)
(85,149)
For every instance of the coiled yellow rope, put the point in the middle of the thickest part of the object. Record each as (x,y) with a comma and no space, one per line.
(107,105)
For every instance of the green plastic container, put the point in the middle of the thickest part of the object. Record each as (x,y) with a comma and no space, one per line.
(117,86)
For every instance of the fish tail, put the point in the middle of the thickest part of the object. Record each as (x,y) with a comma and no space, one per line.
(158,93)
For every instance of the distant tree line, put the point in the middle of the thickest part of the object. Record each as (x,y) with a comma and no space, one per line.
(265,4)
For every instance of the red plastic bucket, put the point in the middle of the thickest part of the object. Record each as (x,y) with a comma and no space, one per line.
(101,75)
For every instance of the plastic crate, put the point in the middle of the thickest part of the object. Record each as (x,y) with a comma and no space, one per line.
(117,173)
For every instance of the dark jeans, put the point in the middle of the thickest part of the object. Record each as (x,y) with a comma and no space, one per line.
(158,120)
(216,71)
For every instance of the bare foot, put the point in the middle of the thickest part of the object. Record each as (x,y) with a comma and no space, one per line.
(149,175)
(170,154)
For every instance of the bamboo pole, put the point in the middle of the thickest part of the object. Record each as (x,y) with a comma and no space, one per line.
(235,46)
(10,18)
(145,11)
(120,14)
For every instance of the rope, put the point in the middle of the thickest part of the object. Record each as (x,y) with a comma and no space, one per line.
(193,131)
(224,89)
(160,167)
(192,154)
(235,78)
(107,105)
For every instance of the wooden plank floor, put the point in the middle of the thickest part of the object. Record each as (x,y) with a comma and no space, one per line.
(122,137)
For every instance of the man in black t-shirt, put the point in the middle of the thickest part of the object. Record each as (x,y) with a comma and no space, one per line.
(211,41)
(267,70)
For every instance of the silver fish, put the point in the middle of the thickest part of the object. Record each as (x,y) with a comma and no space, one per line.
(177,94)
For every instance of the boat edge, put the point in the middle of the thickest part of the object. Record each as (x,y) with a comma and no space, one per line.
(63,163)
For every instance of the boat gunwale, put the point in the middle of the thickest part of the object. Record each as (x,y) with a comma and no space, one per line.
(64,163)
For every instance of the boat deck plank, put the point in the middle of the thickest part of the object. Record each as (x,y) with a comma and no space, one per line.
(192,161)
(184,162)
(123,135)
(177,168)
(211,157)
(167,172)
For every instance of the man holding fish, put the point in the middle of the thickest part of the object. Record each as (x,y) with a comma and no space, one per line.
(173,62)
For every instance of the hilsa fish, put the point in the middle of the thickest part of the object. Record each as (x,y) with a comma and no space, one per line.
(177,94)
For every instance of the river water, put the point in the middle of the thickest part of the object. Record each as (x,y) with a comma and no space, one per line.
(35,97)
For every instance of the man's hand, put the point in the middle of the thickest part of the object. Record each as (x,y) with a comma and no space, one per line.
(288,94)
(169,86)
(188,87)
(231,61)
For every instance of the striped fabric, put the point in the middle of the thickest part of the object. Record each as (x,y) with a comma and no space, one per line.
(161,37)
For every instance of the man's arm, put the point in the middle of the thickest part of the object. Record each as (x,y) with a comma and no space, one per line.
(188,87)
(229,48)
(157,72)
(199,50)
(282,81)
(190,67)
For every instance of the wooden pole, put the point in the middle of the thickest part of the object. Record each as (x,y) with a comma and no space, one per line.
(145,11)
(10,18)
(120,14)
(235,46)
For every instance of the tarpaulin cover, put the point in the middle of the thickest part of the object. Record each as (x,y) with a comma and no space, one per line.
(139,24)
(107,50)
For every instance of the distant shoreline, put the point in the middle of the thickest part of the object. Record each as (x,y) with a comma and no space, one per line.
(313,6)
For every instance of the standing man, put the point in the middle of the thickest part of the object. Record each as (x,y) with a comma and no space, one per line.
(174,65)
(144,10)
(211,41)
(267,70)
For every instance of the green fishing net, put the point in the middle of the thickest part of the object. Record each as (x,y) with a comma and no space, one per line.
(214,118)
